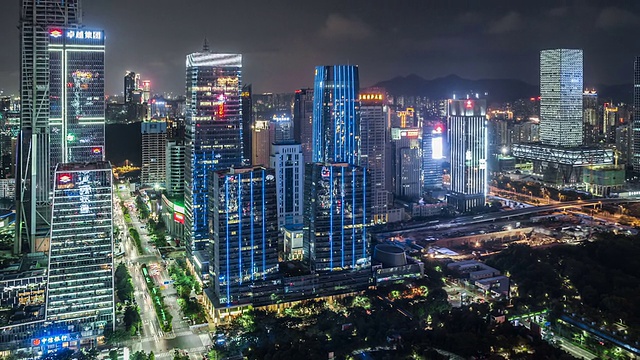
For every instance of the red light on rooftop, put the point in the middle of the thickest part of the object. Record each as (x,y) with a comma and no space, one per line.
(469,104)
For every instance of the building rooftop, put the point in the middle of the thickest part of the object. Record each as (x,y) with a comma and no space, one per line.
(98,165)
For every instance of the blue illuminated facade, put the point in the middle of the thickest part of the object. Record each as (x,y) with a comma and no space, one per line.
(213,139)
(244,221)
(336,217)
(336,123)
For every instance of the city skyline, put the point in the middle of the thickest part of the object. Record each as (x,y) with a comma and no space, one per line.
(280,50)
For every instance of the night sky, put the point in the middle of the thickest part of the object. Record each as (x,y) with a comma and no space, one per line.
(282,40)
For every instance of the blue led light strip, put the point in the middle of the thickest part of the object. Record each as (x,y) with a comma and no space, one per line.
(239,204)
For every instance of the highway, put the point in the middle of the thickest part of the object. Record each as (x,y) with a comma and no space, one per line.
(477,219)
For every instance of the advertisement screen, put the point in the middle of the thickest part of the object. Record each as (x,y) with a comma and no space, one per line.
(436,147)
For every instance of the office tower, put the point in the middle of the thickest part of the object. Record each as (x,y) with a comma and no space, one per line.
(154,146)
(80,295)
(592,127)
(288,162)
(213,139)
(282,128)
(609,122)
(432,154)
(260,142)
(406,146)
(636,114)
(468,153)
(133,96)
(247,124)
(303,122)
(146,91)
(130,85)
(245,234)
(336,123)
(373,127)
(33,203)
(175,163)
(337,211)
(561,97)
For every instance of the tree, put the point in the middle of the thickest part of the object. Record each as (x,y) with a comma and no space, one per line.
(113,354)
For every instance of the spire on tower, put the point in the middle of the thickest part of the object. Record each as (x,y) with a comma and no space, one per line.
(205,45)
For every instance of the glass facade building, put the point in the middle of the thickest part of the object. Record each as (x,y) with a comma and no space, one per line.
(154,147)
(432,154)
(336,216)
(561,85)
(80,289)
(336,122)
(288,163)
(636,115)
(407,162)
(244,221)
(468,153)
(213,139)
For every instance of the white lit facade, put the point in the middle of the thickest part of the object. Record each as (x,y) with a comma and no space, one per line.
(468,153)
(175,168)
(288,162)
(154,145)
(561,88)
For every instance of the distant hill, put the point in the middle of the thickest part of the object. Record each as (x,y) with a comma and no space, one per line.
(498,90)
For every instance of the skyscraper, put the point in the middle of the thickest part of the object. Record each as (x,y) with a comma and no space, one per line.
(154,145)
(260,142)
(288,163)
(213,138)
(245,234)
(561,97)
(336,123)
(374,138)
(336,216)
(80,289)
(303,122)
(43,26)
(432,154)
(636,114)
(247,124)
(468,153)
(407,162)
(175,167)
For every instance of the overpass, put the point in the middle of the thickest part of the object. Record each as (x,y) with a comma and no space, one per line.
(477,219)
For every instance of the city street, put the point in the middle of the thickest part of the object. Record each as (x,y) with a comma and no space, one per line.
(153,338)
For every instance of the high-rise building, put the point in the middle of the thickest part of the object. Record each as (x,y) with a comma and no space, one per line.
(282,128)
(175,164)
(80,290)
(561,87)
(288,162)
(407,162)
(154,146)
(247,124)
(244,235)
(609,122)
(432,154)
(45,27)
(592,127)
(260,142)
(130,85)
(336,122)
(213,138)
(468,153)
(636,114)
(337,211)
(374,138)
(303,122)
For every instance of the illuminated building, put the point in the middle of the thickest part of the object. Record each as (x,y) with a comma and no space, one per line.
(373,142)
(146,91)
(407,162)
(468,153)
(432,155)
(247,124)
(561,97)
(590,121)
(57,82)
(282,128)
(260,143)
(244,235)
(213,138)
(609,122)
(154,145)
(80,289)
(636,117)
(303,122)
(337,211)
(175,160)
(133,96)
(336,123)
(288,162)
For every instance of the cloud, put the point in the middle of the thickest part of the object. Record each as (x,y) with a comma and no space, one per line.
(510,22)
(559,11)
(613,17)
(338,27)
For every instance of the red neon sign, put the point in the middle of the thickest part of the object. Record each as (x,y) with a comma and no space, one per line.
(55,33)
(96,150)
(64,178)
(178,217)
(469,104)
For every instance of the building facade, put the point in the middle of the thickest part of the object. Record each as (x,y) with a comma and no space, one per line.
(80,290)
(303,122)
(33,202)
(468,153)
(213,139)
(636,114)
(407,162)
(336,215)
(261,141)
(245,235)
(432,154)
(175,164)
(561,87)
(154,147)
(288,162)
(336,122)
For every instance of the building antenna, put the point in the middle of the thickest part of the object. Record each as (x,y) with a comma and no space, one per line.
(205,45)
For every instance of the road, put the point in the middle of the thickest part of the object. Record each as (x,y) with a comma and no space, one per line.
(153,338)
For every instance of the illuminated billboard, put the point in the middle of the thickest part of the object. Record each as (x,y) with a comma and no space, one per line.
(437,151)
